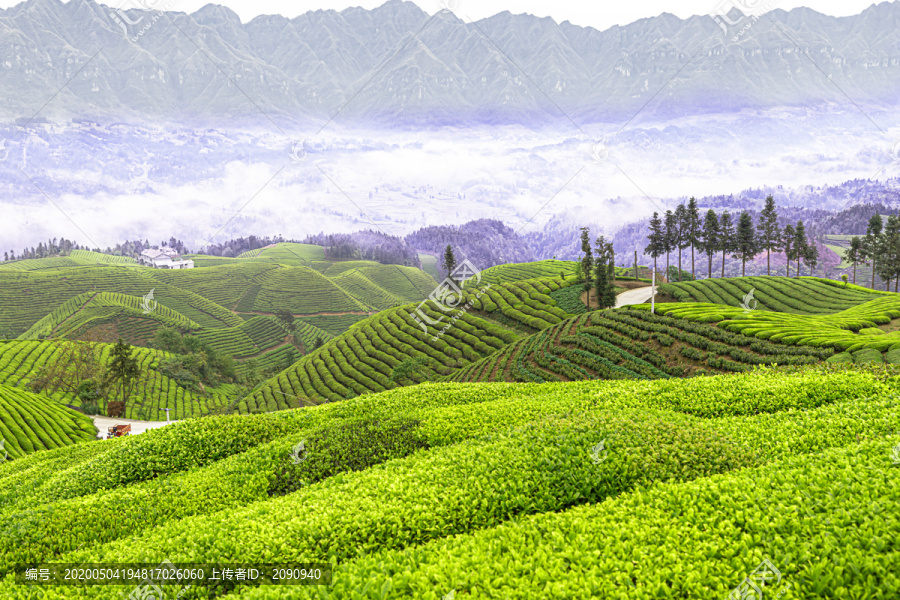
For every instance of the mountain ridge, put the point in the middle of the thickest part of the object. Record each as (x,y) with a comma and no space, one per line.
(395,65)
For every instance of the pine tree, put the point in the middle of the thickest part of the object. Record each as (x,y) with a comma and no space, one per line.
(671,228)
(873,234)
(800,244)
(693,219)
(449,262)
(601,277)
(587,261)
(769,237)
(682,238)
(812,256)
(745,243)
(726,237)
(788,238)
(709,238)
(604,290)
(889,252)
(657,237)
(855,254)
(609,295)
(123,371)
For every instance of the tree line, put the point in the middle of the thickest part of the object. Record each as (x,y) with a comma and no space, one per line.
(742,239)
(880,249)
(598,272)
(64,247)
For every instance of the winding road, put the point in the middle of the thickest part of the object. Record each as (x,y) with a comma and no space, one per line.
(638,296)
(104,423)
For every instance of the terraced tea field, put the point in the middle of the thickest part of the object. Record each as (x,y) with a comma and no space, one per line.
(362,360)
(631,344)
(28,297)
(77,318)
(31,423)
(804,295)
(849,330)
(522,271)
(20,361)
(288,253)
(495,491)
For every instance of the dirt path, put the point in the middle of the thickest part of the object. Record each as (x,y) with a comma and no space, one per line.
(638,296)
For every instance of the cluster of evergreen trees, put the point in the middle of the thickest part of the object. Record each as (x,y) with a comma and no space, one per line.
(62,247)
(598,272)
(367,245)
(236,247)
(880,249)
(743,240)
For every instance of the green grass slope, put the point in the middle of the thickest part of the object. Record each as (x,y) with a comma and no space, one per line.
(804,295)
(225,284)
(38,264)
(430,265)
(301,290)
(495,491)
(221,293)
(30,423)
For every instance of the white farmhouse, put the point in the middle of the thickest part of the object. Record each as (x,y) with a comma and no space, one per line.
(165,258)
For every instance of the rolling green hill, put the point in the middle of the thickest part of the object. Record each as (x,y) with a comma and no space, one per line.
(75,291)
(521,271)
(20,362)
(362,360)
(30,423)
(631,344)
(28,297)
(77,319)
(430,265)
(852,329)
(288,253)
(803,295)
(695,338)
(493,490)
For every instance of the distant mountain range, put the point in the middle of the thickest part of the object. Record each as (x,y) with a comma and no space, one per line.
(398,66)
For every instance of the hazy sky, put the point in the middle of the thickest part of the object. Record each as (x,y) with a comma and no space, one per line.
(581,12)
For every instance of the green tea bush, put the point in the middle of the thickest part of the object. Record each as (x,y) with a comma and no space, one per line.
(698,539)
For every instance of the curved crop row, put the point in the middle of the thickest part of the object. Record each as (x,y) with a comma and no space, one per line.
(596,441)
(849,330)
(29,423)
(805,295)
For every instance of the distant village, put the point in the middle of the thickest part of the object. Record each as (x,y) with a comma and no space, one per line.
(165,258)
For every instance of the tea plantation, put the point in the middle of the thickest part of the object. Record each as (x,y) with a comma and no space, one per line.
(615,489)
(803,295)
(363,359)
(30,422)
(20,361)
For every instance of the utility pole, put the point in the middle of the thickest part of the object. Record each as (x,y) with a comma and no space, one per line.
(653,293)
(635,266)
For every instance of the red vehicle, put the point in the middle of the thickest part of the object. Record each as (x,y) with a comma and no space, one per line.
(118,431)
